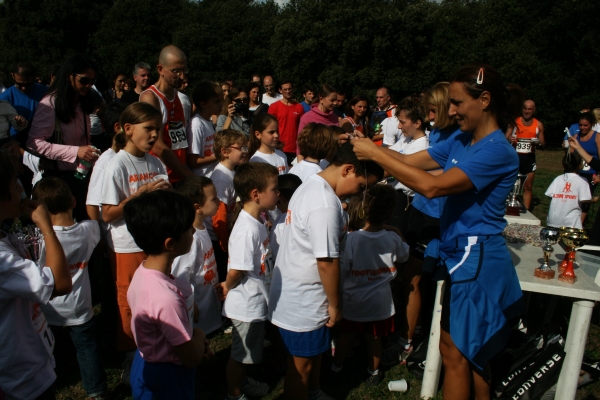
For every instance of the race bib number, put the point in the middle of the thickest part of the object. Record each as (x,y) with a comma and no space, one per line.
(524,147)
(177,135)
(41,326)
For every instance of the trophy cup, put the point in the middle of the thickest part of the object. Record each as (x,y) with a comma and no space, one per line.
(549,237)
(563,230)
(574,241)
(514,205)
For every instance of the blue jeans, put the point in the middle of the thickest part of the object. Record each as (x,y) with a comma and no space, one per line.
(161,380)
(88,356)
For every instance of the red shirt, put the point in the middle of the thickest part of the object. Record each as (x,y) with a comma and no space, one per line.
(288,117)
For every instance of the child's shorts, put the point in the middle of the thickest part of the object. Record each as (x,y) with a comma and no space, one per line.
(248,340)
(375,328)
(307,344)
(161,380)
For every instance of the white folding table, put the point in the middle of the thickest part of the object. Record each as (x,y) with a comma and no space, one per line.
(584,293)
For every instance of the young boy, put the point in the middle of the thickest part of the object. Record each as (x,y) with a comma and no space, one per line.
(169,348)
(248,277)
(231,149)
(208,100)
(287,185)
(199,267)
(568,191)
(74,310)
(26,341)
(304,300)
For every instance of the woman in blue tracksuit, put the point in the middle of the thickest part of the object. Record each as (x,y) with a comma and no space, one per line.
(480,168)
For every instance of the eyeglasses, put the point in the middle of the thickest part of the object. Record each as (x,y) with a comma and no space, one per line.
(85,80)
(243,149)
(179,72)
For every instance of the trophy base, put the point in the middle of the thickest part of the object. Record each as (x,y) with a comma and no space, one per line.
(567,279)
(548,274)
(513,210)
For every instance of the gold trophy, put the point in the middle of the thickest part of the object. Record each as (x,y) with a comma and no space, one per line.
(574,241)
(549,237)
(563,230)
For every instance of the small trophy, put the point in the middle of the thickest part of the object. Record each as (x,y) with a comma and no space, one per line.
(514,205)
(549,237)
(564,230)
(574,241)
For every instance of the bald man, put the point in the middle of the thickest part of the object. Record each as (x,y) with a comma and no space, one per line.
(527,134)
(171,148)
(271,95)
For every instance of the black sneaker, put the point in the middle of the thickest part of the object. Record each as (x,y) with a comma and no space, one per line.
(373,380)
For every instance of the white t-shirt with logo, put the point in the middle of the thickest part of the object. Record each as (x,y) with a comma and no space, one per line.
(123,176)
(391,133)
(305,169)
(268,100)
(94,196)
(200,139)
(277,159)
(368,265)
(222,178)
(199,268)
(26,342)
(314,227)
(567,191)
(410,147)
(249,251)
(78,242)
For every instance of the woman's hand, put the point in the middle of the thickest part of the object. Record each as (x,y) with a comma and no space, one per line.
(364,149)
(231,110)
(87,153)
(574,143)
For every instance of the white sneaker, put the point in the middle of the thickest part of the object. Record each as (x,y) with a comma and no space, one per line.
(254,388)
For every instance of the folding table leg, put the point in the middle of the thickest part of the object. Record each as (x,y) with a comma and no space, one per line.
(579,325)
(433,362)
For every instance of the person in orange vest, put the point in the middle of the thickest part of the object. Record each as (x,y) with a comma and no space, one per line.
(526,134)
(171,147)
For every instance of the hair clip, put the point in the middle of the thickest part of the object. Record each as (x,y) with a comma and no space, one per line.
(238,199)
(480,76)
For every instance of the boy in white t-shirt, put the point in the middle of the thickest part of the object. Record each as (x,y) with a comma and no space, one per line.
(162,306)
(287,185)
(231,149)
(249,276)
(369,263)
(304,301)
(74,310)
(568,191)
(198,266)
(208,99)
(26,341)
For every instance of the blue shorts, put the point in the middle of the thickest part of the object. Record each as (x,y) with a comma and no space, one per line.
(307,344)
(161,380)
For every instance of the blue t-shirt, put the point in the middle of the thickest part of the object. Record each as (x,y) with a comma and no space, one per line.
(24,103)
(492,165)
(305,105)
(433,207)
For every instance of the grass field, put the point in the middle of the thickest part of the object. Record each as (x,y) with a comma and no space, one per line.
(211,383)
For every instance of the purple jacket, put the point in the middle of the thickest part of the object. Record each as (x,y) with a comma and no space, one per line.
(317,116)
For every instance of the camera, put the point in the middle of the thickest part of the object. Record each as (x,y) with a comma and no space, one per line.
(240,106)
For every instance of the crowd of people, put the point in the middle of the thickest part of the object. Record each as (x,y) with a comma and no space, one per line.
(240,209)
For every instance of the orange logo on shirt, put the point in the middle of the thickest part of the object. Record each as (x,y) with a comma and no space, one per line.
(567,188)
(209,276)
(142,177)
(263,269)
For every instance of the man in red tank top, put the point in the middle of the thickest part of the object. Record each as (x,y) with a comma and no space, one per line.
(171,148)
(528,133)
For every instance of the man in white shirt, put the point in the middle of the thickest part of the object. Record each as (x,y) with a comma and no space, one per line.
(270,96)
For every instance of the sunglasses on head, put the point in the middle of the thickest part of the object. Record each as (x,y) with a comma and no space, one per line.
(85,80)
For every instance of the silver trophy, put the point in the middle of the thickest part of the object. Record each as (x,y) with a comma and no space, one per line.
(549,237)
(514,205)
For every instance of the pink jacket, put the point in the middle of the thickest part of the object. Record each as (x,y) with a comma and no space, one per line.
(42,129)
(317,116)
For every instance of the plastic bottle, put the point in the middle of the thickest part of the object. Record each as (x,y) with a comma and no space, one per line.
(83,169)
